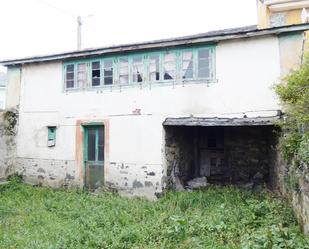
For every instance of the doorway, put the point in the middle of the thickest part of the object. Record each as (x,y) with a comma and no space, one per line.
(93,156)
(223,154)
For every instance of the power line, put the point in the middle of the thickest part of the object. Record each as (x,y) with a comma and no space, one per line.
(57,8)
(80,20)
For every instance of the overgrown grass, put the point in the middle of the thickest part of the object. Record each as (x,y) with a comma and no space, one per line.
(220,217)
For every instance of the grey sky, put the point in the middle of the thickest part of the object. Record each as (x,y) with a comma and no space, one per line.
(34,27)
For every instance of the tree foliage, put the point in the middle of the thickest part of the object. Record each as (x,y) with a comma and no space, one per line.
(293,92)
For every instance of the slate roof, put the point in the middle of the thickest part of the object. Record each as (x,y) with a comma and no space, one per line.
(208,37)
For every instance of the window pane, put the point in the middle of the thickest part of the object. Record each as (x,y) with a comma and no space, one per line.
(138,69)
(108,63)
(91,144)
(108,72)
(123,71)
(203,53)
(95,65)
(187,65)
(169,66)
(70,76)
(124,79)
(81,74)
(70,84)
(188,74)
(187,56)
(70,68)
(154,68)
(203,63)
(100,144)
(108,80)
(169,57)
(203,72)
(96,74)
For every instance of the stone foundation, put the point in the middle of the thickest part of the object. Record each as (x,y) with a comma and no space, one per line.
(135,179)
(51,173)
(8,129)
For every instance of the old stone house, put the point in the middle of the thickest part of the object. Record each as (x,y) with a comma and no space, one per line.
(137,116)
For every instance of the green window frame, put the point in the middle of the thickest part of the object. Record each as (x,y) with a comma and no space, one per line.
(137,66)
(187,64)
(108,70)
(154,66)
(70,76)
(169,64)
(96,73)
(194,64)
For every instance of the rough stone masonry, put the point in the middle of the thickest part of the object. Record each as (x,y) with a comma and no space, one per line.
(8,130)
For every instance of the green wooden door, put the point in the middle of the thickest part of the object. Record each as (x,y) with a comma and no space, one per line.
(94,157)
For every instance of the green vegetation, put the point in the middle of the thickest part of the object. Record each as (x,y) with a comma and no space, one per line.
(219,217)
(294,143)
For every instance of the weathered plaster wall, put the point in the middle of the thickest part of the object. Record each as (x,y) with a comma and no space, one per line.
(246,69)
(43,172)
(291,52)
(13,88)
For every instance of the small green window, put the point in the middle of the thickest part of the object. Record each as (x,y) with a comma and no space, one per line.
(51,136)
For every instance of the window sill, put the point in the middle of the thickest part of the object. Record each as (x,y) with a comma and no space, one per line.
(144,85)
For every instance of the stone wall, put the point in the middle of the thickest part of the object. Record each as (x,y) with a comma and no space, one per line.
(245,154)
(294,185)
(179,154)
(248,153)
(8,130)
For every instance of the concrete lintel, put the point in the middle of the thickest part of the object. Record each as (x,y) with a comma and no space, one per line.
(196,121)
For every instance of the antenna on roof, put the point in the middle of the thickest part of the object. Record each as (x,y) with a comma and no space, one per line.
(79,30)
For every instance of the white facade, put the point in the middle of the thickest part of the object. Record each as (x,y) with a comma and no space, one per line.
(245,71)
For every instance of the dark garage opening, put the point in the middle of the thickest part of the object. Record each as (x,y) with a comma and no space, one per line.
(224,154)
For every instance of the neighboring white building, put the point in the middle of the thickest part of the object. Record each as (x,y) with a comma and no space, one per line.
(136,117)
(2,90)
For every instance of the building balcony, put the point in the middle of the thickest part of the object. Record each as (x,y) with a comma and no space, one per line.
(286,5)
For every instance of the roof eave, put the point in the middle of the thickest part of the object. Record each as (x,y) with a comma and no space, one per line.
(158,44)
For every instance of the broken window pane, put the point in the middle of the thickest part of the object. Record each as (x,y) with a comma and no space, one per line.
(137,68)
(81,75)
(154,68)
(91,144)
(70,76)
(100,144)
(187,65)
(169,66)
(108,72)
(96,73)
(203,63)
(123,71)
